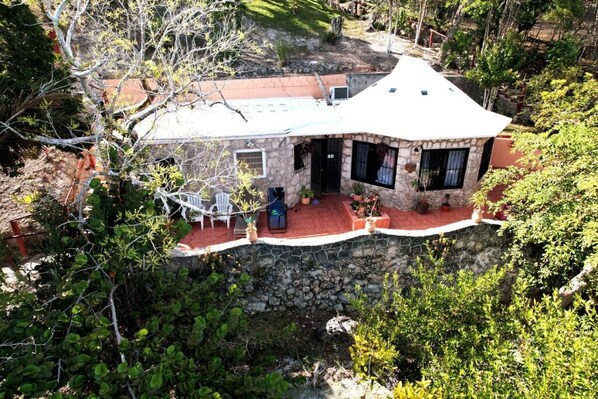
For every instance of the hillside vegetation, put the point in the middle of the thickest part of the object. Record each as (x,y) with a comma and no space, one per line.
(298,17)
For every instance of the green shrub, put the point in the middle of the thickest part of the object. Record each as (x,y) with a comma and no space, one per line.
(543,351)
(331,38)
(459,49)
(418,321)
(110,323)
(418,390)
(563,53)
(450,336)
(283,53)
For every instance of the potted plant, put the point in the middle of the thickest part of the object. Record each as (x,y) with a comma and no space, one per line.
(370,224)
(421,183)
(306,194)
(357,191)
(251,230)
(422,205)
(478,200)
(372,209)
(446,206)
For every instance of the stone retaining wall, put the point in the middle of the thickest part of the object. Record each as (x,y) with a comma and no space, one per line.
(323,276)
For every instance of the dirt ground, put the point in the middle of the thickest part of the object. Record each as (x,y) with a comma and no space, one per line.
(356,51)
(53,171)
(317,365)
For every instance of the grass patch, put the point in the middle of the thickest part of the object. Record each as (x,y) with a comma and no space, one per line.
(297,17)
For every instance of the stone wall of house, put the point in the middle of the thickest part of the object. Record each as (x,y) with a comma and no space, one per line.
(279,163)
(323,276)
(405,193)
(280,167)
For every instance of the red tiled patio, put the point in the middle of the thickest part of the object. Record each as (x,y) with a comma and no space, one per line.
(326,218)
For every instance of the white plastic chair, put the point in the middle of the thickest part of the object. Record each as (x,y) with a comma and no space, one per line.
(194,210)
(221,210)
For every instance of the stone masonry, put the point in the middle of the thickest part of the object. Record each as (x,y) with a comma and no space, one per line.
(323,276)
(280,167)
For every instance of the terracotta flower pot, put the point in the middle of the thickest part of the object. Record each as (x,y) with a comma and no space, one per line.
(422,207)
(305,200)
(357,198)
(477,215)
(445,208)
(370,225)
(410,167)
(252,235)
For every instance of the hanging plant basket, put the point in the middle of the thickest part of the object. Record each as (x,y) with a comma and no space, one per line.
(410,167)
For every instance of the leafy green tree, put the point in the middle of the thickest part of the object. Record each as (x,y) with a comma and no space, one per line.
(569,100)
(532,350)
(27,54)
(400,334)
(105,322)
(565,13)
(563,53)
(553,199)
(498,64)
(456,335)
(35,93)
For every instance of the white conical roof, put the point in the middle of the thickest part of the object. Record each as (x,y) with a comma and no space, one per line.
(415,102)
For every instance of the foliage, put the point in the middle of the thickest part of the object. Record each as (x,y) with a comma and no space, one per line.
(418,390)
(26,54)
(535,350)
(283,53)
(563,53)
(565,12)
(331,37)
(371,206)
(553,229)
(415,323)
(529,12)
(499,63)
(34,93)
(567,102)
(358,188)
(451,336)
(459,49)
(106,322)
(306,192)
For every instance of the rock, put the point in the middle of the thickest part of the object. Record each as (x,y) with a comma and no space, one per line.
(341,325)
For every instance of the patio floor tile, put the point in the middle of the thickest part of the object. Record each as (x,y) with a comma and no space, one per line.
(327,217)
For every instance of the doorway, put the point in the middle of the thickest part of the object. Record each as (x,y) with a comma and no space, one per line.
(326,166)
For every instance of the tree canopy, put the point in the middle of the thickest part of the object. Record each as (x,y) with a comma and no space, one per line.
(35,92)
(553,191)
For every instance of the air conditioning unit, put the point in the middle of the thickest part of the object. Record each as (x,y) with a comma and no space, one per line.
(339,92)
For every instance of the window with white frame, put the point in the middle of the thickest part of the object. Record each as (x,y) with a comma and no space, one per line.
(254,159)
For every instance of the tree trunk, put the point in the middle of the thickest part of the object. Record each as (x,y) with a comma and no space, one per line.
(455,23)
(492,95)
(389,39)
(420,19)
(487,29)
